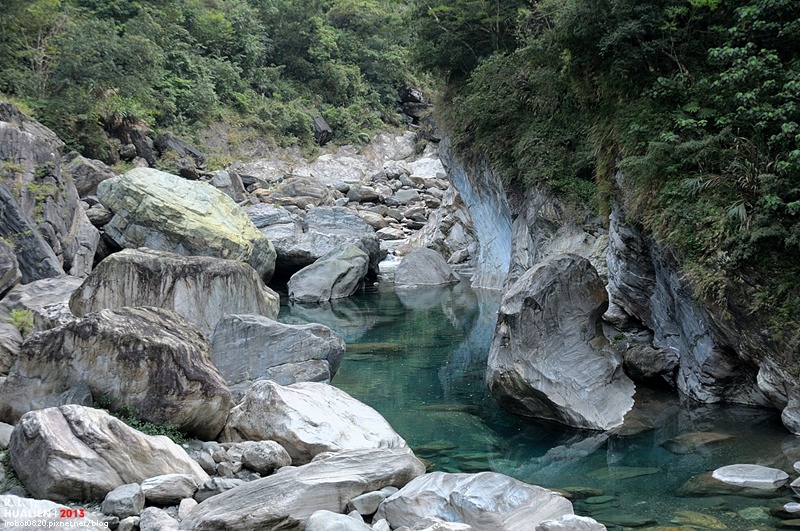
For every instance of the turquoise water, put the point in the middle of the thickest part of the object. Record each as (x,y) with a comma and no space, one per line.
(419,357)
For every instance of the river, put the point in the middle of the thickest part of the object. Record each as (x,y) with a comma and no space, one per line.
(418,357)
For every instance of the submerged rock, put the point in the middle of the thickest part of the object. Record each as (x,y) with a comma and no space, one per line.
(691,442)
(199,288)
(78,453)
(286,499)
(548,357)
(165,212)
(309,418)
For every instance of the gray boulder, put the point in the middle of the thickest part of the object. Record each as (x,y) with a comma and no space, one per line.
(9,268)
(46,298)
(548,357)
(148,359)
(200,289)
(155,519)
(169,489)
(571,522)
(751,476)
(288,498)
(247,348)
(77,453)
(423,267)
(302,192)
(124,501)
(308,418)
(335,275)
(487,500)
(265,457)
(164,212)
(87,173)
(300,240)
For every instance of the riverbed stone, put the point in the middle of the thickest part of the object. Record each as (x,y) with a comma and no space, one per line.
(148,359)
(571,522)
(169,489)
(199,288)
(486,500)
(124,501)
(751,476)
(289,497)
(77,453)
(423,267)
(264,457)
(247,348)
(703,485)
(330,521)
(335,275)
(308,418)
(155,519)
(549,358)
(165,212)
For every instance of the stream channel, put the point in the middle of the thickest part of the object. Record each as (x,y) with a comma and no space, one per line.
(419,357)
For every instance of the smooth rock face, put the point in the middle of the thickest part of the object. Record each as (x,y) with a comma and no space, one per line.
(335,275)
(548,357)
(309,418)
(751,476)
(286,499)
(300,241)
(423,267)
(247,348)
(165,212)
(77,453)
(146,358)
(484,501)
(201,289)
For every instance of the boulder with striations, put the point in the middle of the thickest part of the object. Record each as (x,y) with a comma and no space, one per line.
(201,289)
(147,359)
(335,275)
(78,453)
(165,212)
(548,357)
(288,498)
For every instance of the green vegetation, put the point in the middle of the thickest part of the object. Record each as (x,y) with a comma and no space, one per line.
(90,68)
(697,101)
(12,479)
(22,320)
(133,418)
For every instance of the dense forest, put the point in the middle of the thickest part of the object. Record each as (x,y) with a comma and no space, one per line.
(694,103)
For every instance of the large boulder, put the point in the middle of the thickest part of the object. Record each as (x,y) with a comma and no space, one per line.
(247,348)
(308,418)
(299,191)
(286,499)
(201,289)
(147,359)
(423,267)
(162,211)
(300,240)
(485,501)
(548,357)
(45,298)
(335,275)
(40,210)
(87,173)
(77,453)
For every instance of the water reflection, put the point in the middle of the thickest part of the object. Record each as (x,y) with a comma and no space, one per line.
(419,357)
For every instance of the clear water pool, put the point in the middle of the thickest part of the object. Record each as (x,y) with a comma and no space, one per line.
(419,357)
